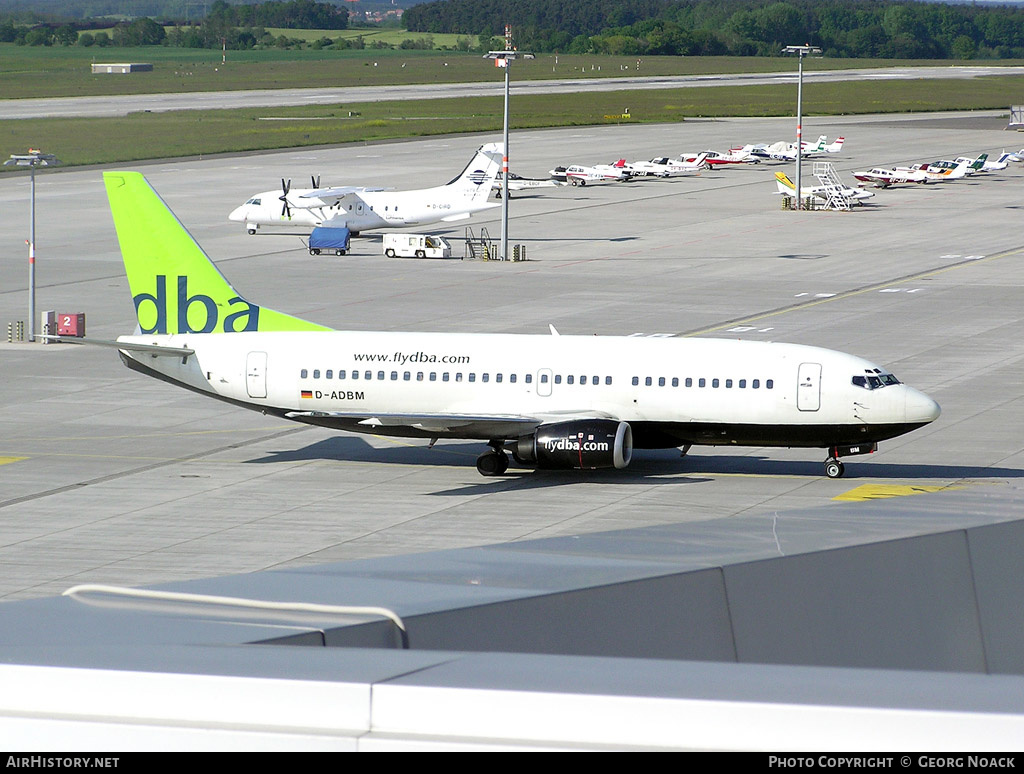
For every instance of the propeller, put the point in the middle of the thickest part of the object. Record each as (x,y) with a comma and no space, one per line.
(286,210)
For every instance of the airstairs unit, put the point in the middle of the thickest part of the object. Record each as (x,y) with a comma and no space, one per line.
(480,248)
(832,186)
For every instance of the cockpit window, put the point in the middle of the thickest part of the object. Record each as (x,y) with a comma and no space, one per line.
(875,380)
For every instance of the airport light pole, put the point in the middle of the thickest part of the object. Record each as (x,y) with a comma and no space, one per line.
(801,52)
(504,59)
(32,159)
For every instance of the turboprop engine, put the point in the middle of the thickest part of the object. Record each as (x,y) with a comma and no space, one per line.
(585,444)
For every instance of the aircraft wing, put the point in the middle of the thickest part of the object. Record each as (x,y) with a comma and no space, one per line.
(340,192)
(494,425)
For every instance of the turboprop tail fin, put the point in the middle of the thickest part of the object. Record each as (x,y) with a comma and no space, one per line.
(475,181)
(175,286)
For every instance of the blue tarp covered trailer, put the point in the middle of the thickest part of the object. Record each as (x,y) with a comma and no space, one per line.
(335,239)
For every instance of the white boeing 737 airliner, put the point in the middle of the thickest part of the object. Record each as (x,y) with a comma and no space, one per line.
(551,401)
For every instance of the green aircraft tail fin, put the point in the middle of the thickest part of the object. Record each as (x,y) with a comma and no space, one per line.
(175,286)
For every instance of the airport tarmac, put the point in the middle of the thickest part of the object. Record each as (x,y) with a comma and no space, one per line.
(109,477)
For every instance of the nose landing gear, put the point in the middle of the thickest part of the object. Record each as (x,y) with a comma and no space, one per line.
(834,468)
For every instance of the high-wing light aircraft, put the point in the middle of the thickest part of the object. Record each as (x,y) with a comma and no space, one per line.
(786,151)
(364,209)
(835,146)
(883,178)
(787,187)
(519,183)
(551,401)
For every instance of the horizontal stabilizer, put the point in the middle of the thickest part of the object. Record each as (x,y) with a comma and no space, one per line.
(156,350)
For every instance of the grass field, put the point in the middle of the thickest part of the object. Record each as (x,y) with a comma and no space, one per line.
(192,133)
(65,71)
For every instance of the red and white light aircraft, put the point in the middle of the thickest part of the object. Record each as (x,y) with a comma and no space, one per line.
(720,158)
(663,166)
(881,177)
(578,174)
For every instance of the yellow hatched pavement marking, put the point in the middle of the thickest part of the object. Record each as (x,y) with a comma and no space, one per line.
(882,491)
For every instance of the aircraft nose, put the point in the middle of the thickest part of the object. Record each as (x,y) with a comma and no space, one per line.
(238,214)
(920,408)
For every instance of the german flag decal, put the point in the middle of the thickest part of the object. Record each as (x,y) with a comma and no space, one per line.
(307,393)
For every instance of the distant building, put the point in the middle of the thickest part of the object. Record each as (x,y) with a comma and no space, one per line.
(122,67)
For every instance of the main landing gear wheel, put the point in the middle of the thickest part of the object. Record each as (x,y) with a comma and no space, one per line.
(252,231)
(834,468)
(492,463)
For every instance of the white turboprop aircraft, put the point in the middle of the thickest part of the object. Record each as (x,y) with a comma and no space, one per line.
(363,209)
(787,187)
(552,401)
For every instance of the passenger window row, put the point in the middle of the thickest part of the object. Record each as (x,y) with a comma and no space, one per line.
(446,376)
(569,379)
(661,381)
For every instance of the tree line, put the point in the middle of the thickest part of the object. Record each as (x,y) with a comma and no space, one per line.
(899,29)
(235,26)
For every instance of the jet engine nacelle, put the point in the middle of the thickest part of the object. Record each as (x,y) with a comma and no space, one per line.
(585,445)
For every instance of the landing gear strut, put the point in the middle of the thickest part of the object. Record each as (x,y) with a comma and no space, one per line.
(834,468)
(493,462)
